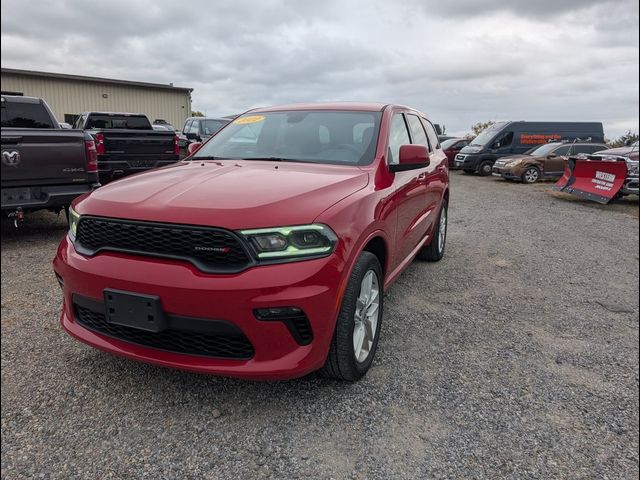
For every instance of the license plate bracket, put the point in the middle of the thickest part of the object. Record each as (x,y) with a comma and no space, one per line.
(15,195)
(134,310)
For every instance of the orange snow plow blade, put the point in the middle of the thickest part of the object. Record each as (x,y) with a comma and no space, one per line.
(597,180)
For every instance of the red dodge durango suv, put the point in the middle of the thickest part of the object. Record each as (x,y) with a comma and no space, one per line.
(266,252)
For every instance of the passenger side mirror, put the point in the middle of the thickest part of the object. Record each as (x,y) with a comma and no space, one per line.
(193,148)
(192,136)
(411,158)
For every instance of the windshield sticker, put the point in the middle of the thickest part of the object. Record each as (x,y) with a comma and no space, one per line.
(247,120)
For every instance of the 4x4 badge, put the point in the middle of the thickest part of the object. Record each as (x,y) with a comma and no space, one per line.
(11,159)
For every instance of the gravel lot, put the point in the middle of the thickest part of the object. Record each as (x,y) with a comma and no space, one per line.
(515,357)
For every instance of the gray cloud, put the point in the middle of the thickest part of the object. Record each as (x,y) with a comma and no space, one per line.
(460,62)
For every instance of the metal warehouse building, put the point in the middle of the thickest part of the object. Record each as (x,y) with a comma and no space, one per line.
(70,95)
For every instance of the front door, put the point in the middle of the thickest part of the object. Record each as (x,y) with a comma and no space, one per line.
(410,193)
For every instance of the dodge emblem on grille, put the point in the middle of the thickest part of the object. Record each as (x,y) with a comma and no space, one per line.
(11,158)
(212,249)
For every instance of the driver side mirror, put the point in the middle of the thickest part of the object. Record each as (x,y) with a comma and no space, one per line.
(193,147)
(192,136)
(411,157)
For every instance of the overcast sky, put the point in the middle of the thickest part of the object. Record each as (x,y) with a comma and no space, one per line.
(458,61)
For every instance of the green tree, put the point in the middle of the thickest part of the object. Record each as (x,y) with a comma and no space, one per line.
(197,113)
(477,128)
(626,139)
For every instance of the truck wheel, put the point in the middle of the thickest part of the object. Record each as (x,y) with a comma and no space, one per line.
(357,331)
(531,175)
(485,168)
(435,250)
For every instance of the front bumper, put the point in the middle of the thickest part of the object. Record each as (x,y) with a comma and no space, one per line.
(631,186)
(315,286)
(467,161)
(504,172)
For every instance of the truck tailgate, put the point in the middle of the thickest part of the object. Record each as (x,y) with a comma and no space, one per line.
(137,142)
(43,157)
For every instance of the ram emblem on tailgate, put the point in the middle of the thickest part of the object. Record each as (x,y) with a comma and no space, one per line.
(11,159)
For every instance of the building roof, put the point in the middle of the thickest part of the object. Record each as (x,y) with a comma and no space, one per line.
(82,78)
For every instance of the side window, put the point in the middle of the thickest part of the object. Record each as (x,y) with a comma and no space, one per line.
(594,148)
(195,127)
(504,140)
(563,150)
(398,135)
(431,133)
(418,135)
(187,126)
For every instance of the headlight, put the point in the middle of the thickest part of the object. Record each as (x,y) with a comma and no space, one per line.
(291,242)
(74,217)
(514,163)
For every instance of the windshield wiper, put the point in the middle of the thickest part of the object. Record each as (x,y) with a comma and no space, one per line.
(270,159)
(210,157)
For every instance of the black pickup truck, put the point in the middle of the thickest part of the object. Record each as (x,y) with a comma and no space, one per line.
(127,143)
(43,165)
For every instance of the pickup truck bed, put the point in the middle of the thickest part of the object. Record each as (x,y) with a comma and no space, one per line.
(43,168)
(126,143)
(43,165)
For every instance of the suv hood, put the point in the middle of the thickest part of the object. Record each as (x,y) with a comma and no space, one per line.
(620,151)
(228,194)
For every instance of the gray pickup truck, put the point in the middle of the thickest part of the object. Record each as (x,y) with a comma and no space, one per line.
(127,143)
(43,165)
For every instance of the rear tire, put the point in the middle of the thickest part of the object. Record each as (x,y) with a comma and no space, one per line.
(485,168)
(531,175)
(345,360)
(436,248)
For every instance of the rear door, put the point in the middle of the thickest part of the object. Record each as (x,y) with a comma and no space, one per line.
(554,163)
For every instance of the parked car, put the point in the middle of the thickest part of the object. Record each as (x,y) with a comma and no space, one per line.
(199,129)
(164,123)
(127,143)
(43,166)
(255,257)
(452,146)
(511,138)
(544,162)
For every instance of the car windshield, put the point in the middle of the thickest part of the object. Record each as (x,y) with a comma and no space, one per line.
(336,137)
(209,127)
(488,134)
(544,149)
(448,143)
(108,122)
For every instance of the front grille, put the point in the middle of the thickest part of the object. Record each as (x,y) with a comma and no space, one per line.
(220,345)
(209,249)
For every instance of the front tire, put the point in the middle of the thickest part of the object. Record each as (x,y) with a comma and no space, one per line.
(355,339)
(485,168)
(531,175)
(435,250)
